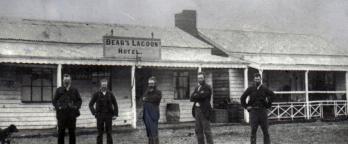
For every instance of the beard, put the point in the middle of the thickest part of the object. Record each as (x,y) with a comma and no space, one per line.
(66,84)
(258,83)
(151,88)
(201,82)
(103,89)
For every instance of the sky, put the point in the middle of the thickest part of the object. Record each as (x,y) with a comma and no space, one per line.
(324,18)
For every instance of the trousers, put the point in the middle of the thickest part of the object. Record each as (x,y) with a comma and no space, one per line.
(258,117)
(66,122)
(202,128)
(104,124)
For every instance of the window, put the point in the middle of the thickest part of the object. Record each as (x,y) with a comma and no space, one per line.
(38,85)
(89,76)
(181,85)
(80,73)
(325,81)
(8,78)
(288,86)
(100,73)
(326,85)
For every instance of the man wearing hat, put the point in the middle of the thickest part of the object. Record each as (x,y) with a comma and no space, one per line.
(260,98)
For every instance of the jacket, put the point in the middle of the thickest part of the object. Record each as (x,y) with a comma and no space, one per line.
(111,103)
(153,97)
(151,105)
(202,96)
(67,101)
(261,98)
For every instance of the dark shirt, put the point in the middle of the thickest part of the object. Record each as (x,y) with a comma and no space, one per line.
(257,97)
(104,103)
(153,97)
(151,113)
(202,95)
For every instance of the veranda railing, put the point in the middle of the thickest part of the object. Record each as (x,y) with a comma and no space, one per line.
(295,110)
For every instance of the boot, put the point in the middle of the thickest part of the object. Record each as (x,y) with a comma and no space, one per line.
(156,140)
(151,140)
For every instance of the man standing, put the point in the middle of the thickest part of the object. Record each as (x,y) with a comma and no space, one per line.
(152,98)
(202,110)
(67,102)
(260,98)
(106,109)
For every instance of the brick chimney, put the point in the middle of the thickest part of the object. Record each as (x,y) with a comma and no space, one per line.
(187,21)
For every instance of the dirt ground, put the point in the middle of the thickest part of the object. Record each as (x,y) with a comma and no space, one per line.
(294,133)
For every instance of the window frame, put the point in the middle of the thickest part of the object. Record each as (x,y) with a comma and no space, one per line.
(176,77)
(52,86)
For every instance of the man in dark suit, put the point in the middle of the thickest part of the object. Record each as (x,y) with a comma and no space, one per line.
(202,110)
(106,109)
(260,98)
(67,102)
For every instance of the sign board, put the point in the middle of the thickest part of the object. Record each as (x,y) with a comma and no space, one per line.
(130,48)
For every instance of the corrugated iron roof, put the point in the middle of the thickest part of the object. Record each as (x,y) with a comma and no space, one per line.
(235,41)
(73,32)
(92,54)
(299,62)
(51,50)
(175,55)
(283,51)
(181,64)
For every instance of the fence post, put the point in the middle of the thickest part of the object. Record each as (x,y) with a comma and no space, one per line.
(278,115)
(335,109)
(292,111)
(321,110)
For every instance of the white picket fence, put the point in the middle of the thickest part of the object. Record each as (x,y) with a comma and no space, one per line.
(294,110)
